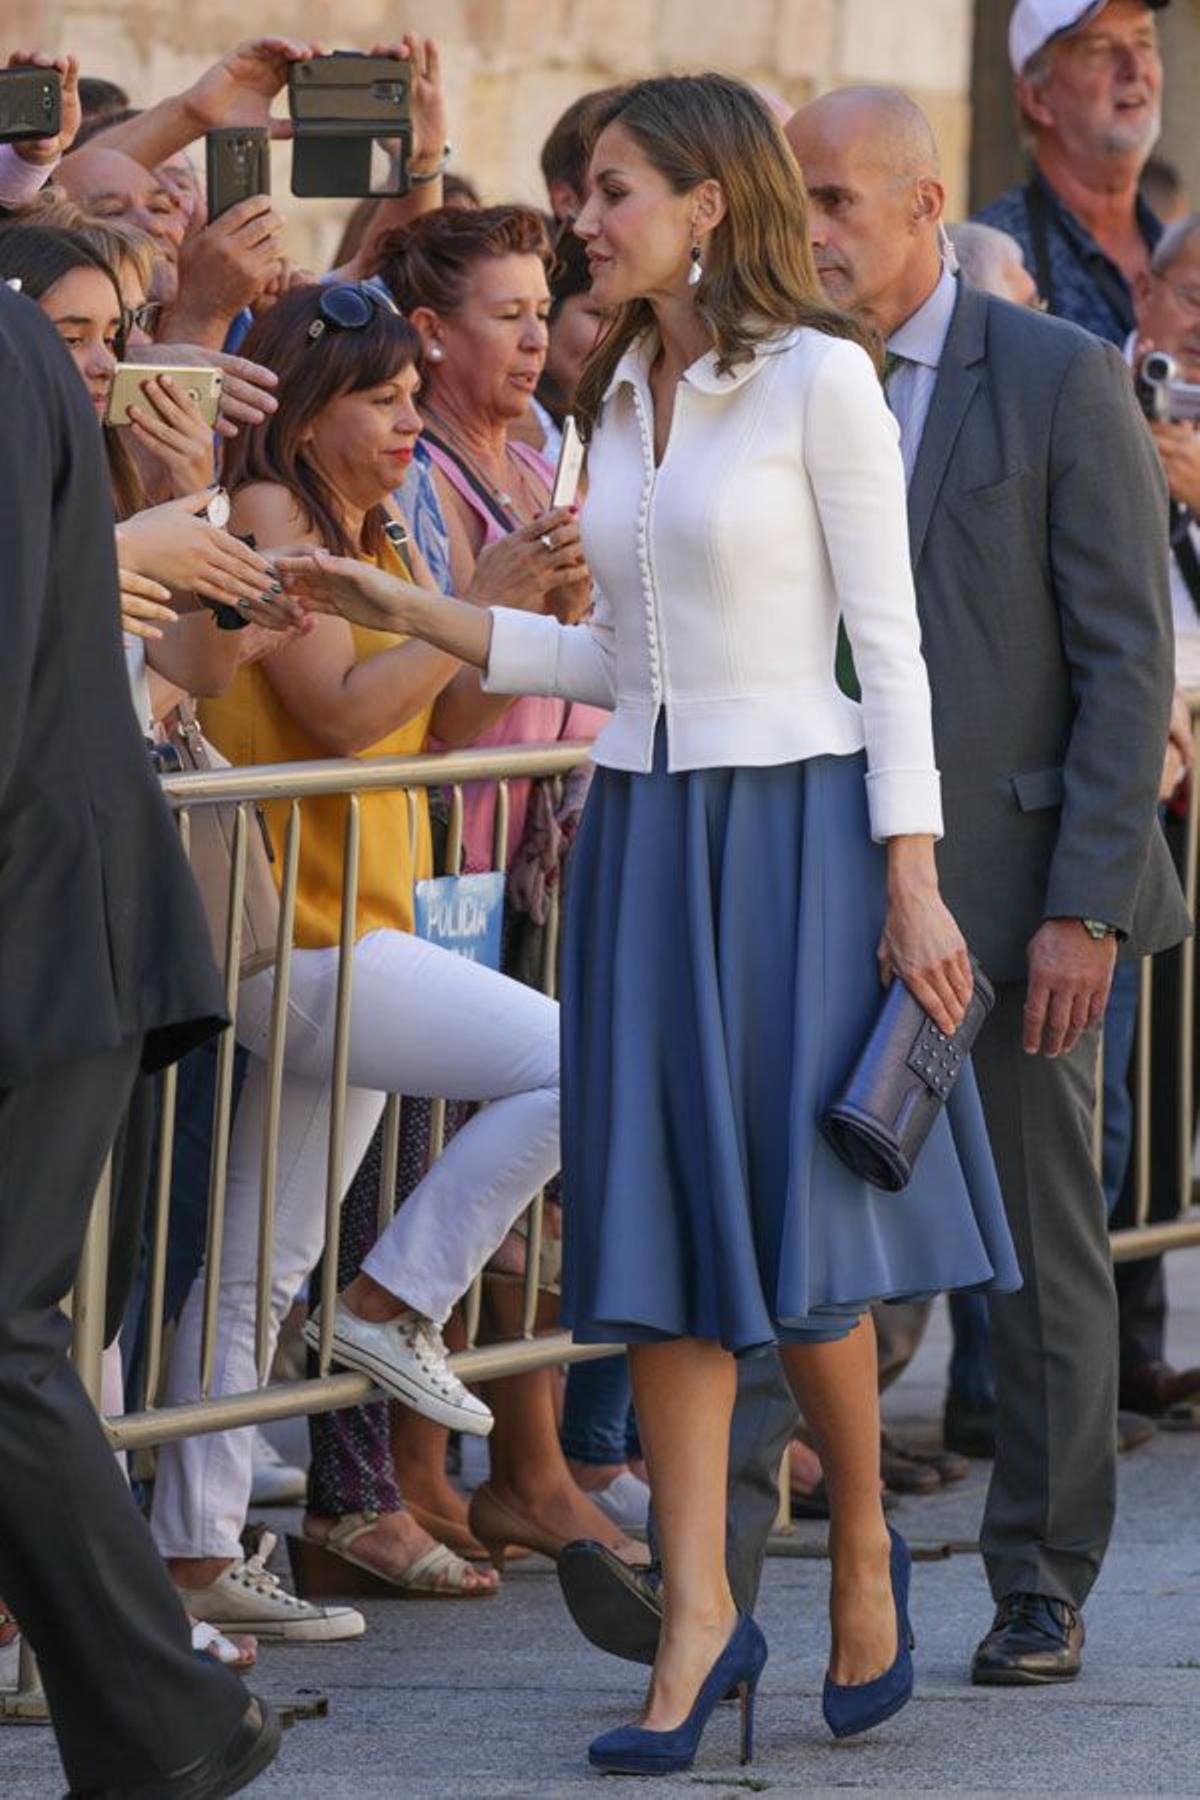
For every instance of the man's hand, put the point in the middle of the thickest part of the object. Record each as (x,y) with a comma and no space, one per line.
(429,127)
(239,89)
(1070,974)
(225,267)
(1179,452)
(47,151)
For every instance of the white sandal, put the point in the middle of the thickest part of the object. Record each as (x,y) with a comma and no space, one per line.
(438,1574)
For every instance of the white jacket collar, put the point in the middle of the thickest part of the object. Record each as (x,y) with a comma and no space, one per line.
(633,370)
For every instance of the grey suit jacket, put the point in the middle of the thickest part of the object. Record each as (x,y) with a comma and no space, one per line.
(1037,517)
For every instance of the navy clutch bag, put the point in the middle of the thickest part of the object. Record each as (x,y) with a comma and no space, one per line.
(899,1085)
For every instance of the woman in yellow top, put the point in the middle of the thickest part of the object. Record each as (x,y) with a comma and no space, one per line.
(424,1021)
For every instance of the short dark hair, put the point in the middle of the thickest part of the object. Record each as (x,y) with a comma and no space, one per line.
(311,375)
(566,151)
(97,123)
(97,96)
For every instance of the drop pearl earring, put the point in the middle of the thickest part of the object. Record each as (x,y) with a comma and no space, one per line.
(695,273)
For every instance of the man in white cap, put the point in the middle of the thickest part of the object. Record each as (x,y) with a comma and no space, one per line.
(1088,80)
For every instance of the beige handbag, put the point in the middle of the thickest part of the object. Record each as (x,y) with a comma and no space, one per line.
(211,855)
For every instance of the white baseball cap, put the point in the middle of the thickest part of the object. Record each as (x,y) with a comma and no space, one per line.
(1035,22)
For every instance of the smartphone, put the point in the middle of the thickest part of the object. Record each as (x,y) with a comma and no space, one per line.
(238,163)
(30,103)
(570,466)
(203,385)
(352,122)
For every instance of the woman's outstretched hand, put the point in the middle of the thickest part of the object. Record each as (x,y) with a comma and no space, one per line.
(921,942)
(345,588)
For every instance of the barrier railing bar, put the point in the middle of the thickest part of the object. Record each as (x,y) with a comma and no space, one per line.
(341,1065)
(223,1110)
(274,1096)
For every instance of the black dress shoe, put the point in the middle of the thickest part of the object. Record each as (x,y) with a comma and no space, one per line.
(970,1430)
(617,1608)
(1156,1387)
(252,1747)
(1034,1639)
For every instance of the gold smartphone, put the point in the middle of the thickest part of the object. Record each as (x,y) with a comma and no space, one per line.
(203,385)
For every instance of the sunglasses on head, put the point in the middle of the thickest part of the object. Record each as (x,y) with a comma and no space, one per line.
(349,306)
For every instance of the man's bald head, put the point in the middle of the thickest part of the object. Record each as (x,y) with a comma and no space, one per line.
(884,125)
(870,163)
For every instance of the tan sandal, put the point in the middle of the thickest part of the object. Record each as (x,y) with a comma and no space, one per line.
(437,1575)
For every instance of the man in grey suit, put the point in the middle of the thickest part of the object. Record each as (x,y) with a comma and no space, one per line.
(1037,521)
(1037,518)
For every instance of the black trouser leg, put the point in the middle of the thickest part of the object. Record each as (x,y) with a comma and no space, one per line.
(128,1698)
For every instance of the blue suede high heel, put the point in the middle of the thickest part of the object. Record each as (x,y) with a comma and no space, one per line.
(634,1751)
(849,1710)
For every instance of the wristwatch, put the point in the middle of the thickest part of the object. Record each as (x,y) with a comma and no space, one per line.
(1097,929)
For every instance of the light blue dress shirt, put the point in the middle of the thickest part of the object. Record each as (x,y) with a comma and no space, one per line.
(920,341)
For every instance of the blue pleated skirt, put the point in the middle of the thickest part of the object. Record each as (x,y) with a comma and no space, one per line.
(719,981)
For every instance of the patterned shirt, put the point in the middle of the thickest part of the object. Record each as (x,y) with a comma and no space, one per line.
(1085,285)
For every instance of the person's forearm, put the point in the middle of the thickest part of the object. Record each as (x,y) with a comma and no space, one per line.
(154,135)
(460,629)
(196,655)
(391,216)
(184,324)
(380,695)
(464,712)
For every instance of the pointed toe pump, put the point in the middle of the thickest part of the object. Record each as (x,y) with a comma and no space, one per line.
(849,1710)
(634,1751)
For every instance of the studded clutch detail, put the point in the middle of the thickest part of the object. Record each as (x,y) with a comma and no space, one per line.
(900,1083)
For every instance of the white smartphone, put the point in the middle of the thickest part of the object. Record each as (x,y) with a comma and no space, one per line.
(570,466)
(203,385)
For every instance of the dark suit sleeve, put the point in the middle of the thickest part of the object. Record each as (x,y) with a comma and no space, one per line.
(1108,552)
(26,496)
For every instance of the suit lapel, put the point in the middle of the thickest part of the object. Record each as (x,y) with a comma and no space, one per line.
(958,377)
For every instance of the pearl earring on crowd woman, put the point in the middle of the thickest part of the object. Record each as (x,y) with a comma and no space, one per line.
(695,272)
(436,353)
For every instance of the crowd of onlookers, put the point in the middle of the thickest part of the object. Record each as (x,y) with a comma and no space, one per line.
(406,407)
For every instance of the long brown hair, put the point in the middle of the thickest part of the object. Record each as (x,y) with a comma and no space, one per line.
(311,374)
(40,256)
(759,275)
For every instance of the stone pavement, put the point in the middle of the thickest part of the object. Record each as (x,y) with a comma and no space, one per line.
(496,1699)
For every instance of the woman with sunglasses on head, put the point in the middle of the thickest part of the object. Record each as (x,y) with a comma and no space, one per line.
(424,1021)
(743,874)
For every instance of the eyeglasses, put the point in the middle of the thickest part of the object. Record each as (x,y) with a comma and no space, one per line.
(1187,297)
(142,318)
(349,306)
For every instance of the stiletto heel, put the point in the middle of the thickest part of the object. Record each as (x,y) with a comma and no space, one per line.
(857,1707)
(633,1750)
(746,1695)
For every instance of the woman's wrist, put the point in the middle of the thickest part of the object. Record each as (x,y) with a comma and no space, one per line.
(912,866)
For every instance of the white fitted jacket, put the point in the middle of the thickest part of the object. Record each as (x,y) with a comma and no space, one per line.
(720,577)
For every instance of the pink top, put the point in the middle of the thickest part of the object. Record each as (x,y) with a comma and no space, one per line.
(531,720)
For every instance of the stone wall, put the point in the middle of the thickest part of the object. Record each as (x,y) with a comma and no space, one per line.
(514,64)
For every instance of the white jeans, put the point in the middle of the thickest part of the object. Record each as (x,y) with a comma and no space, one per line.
(423,1022)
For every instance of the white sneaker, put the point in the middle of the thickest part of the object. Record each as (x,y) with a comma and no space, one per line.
(407,1357)
(276,1482)
(247,1597)
(626,1501)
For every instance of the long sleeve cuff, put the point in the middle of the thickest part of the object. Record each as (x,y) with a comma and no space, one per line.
(523,658)
(904,803)
(21,181)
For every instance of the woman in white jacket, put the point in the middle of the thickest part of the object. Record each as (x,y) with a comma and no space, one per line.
(740,868)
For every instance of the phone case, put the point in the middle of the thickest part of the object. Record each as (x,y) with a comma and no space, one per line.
(238,166)
(202,384)
(30,104)
(346,94)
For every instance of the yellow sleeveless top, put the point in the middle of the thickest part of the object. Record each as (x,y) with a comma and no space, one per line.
(249,724)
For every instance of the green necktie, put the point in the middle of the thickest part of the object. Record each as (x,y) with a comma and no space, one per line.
(844,670)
